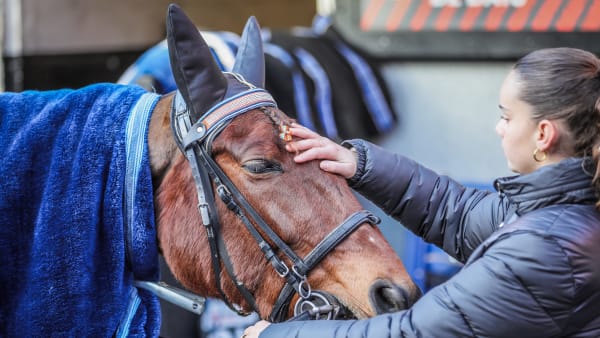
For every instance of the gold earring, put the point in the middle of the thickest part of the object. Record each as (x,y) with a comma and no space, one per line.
(542,153)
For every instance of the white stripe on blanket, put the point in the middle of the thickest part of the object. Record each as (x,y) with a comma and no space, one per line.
(135,138)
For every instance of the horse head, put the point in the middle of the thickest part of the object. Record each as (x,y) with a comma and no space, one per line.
(239,219)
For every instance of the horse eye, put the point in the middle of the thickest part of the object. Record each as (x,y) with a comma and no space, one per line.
(261,166)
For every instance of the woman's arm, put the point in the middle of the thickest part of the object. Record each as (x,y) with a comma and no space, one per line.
(509,291)
(435,207)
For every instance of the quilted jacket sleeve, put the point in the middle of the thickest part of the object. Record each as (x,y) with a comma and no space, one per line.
(497,295)
(435,207)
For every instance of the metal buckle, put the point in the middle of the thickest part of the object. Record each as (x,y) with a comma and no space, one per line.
(304,289)
(286,271)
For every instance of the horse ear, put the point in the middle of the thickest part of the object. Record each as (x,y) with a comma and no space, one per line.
(198,77)
(250,59)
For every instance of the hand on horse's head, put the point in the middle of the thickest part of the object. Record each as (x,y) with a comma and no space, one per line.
(310,146)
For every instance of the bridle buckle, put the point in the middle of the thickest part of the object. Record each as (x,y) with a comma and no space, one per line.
(285,271)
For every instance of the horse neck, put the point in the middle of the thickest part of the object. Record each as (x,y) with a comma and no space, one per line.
(175,205)
(162,148)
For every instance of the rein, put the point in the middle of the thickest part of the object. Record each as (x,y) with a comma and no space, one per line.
(195,141)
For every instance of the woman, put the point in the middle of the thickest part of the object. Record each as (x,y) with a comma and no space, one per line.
(531,250)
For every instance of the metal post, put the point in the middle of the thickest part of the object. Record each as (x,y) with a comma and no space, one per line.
(1,45)
(325,7)
(12,49)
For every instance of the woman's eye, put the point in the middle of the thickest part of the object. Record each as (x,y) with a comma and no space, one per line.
(261,166)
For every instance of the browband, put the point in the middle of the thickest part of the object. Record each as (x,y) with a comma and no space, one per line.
(219,115)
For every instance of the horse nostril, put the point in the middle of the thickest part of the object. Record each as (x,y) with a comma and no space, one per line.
(388,297)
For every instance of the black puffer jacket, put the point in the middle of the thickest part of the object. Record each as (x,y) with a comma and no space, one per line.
(531,253)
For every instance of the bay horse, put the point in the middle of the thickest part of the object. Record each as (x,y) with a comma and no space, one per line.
(231,212)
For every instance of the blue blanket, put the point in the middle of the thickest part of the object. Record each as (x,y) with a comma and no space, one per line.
(76,213)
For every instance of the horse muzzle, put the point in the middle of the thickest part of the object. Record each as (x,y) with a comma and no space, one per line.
(386,297)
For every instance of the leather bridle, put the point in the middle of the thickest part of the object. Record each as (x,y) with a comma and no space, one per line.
(195,141)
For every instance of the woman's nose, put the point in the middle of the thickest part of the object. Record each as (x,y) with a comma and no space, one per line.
(500,127)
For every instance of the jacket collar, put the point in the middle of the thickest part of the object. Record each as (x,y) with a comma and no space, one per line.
(566,182)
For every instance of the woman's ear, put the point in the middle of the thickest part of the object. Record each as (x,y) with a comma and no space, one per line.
(548,133)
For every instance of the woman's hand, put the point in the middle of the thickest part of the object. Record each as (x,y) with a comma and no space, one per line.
(311,146)
(255,330)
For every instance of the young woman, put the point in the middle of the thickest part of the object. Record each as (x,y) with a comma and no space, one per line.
(531,250)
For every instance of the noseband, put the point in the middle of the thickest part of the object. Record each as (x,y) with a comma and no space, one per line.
(195,141)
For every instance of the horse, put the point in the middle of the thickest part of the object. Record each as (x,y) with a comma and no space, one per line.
(203,178)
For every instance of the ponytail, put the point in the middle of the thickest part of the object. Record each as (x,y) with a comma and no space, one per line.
(596,151)
(564,84)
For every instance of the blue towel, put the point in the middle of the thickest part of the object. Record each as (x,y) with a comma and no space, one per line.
(68,255)
(154,63)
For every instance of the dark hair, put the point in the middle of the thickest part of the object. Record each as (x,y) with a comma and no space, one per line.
(564,84)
